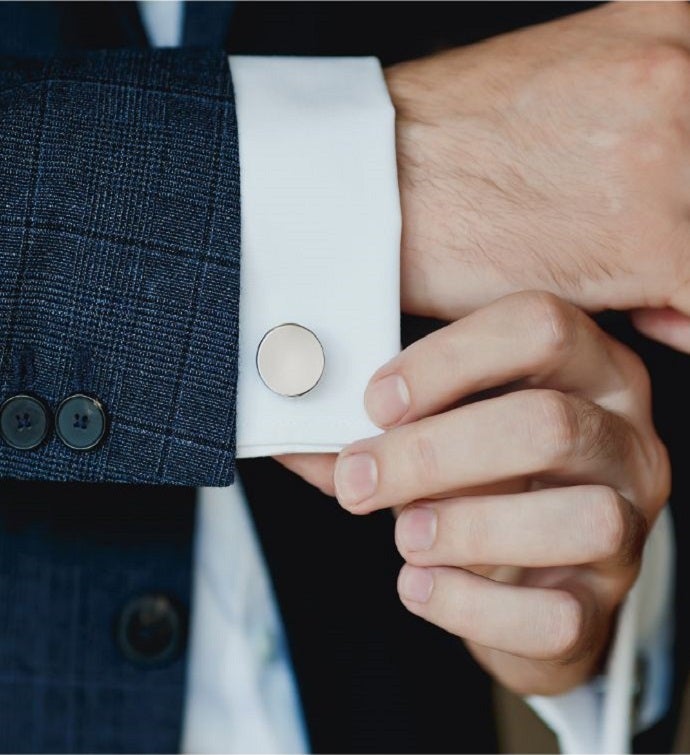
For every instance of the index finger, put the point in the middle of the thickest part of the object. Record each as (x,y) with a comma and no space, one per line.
(531,335)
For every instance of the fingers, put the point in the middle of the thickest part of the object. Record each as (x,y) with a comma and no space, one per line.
(527,335)
(543,433)
(665,325)
(537,623)
(585,524)
(316,469)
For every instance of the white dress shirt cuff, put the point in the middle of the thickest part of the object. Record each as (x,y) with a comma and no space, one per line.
(603,715)
(320,241)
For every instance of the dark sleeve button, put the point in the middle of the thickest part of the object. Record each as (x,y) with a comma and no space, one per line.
(23,422)
(151,629)
(80,422)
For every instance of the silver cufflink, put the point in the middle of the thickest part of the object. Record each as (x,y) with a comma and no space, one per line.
(290,360)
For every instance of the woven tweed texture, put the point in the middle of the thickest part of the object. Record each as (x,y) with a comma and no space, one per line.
(119,251)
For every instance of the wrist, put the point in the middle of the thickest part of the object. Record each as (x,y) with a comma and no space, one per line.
(414,284)
(441,171)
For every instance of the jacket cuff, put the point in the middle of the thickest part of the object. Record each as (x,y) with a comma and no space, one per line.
(120,212)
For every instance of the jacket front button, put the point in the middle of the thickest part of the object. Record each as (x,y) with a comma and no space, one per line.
(151,629)
(80,422)
(23,422)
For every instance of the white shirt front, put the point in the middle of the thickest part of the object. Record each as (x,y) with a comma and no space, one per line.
(241,694)
(333,122)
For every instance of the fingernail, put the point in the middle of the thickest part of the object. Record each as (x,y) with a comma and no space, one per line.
(417,528)
(415,584)
(387,400)
(355,478)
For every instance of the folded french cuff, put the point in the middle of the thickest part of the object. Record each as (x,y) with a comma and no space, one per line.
(320,249)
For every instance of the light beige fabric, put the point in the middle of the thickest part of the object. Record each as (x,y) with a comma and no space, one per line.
(520,730)
(682,741)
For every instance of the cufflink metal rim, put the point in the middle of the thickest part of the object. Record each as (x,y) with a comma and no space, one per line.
(313,372)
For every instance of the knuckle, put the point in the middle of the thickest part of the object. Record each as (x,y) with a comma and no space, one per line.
(661,71)
(657,486)
(553,425)
(618,528)
(551,321)
(634,372)
(566,627)
(676,15)
(604,434)
(607,523)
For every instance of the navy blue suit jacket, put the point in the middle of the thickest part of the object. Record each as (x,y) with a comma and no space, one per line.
(119,247)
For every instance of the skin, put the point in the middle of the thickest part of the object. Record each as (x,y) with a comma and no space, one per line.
(548,159)
(526,473)
(552,158)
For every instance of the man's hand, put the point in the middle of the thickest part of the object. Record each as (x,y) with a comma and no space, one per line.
(556,157)
(521,438)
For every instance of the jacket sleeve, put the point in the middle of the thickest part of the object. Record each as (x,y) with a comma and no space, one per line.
(119,262)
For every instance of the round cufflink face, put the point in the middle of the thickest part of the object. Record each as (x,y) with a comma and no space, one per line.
(80,422)
(290,360)
(23,422)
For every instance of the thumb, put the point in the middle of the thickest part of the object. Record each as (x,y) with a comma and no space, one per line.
(316,469)
(665,325)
